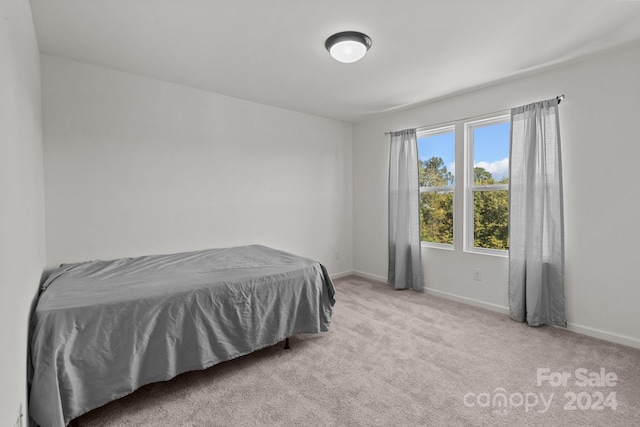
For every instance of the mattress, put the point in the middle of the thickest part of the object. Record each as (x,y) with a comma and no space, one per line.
(102,329)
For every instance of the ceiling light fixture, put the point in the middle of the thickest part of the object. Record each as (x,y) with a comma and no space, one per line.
(348,46)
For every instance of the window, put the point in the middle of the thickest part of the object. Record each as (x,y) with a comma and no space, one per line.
(487,185)
(436,153)
(483,193)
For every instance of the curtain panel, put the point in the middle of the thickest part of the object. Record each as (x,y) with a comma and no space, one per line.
(405,269)
(536,219)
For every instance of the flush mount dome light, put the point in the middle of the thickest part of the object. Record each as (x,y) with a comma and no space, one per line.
(348,46)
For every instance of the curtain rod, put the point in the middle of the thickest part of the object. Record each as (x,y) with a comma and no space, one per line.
(560,98)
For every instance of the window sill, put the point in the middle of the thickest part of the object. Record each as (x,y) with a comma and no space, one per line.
(491,252)
(430,245)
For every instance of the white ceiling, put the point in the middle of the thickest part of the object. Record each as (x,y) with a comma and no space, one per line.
(272,51)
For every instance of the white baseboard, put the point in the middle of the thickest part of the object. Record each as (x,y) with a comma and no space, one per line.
(603,335)
(342,274)
(359,273)
(573,327)
(370,276)
(470,301)
(584,330)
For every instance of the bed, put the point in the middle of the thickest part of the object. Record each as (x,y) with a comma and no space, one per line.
(102,329)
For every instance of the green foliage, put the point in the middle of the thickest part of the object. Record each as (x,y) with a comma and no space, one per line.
(436,217)
(436,208)
(491,207)
(491,219)
(481,176)
(433,173)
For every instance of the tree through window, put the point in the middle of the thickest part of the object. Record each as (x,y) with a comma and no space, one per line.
(484,221)
(436,150)
(487,203)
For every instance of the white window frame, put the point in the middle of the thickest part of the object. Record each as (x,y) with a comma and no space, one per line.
(442,189)
(470,187)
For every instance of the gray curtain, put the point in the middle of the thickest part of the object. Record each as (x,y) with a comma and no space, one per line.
(405,271)
(536,220)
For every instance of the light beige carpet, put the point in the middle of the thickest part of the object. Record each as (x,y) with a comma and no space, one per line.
(400,358)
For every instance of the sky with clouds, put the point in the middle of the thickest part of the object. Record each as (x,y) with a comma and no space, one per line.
(491,148)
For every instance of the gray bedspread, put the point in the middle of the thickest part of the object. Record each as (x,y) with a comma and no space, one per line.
(102,329)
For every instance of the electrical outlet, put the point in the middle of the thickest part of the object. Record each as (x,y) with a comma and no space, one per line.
(337,254)
(477,274)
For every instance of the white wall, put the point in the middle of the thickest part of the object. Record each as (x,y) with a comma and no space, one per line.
(138,166)
(22,256)
(601,151)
